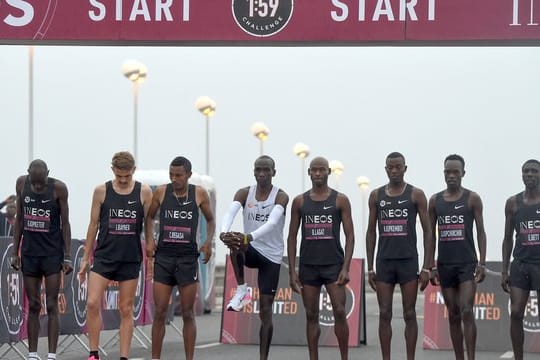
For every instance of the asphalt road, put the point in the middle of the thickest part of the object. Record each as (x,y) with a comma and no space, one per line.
(209,348)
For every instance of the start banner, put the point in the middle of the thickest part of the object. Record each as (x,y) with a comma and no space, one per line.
(492,314)
(288,314)
(259,22)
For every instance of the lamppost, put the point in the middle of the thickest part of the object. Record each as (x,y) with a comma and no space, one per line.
(136,72)
(260,131)
(363,184)
(207,107)
(337,168)
(302,151)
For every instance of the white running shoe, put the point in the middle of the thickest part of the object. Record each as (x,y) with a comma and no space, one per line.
(241,298)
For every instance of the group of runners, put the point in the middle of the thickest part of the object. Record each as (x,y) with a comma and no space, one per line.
(123,210)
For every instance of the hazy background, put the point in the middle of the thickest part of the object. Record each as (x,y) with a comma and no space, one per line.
(352,104)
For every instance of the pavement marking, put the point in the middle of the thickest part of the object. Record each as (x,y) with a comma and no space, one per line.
(205,346)
(507,355)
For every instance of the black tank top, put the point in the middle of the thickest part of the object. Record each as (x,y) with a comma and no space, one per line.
(527,227)
(321,224)
(120,225)
(42,233)
(178,222)
(396,216)
(455,230)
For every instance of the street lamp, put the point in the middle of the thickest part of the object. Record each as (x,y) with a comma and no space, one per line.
(363,184)
(207,107)
(260,131)
(302,151)
(136,72)
(337,168)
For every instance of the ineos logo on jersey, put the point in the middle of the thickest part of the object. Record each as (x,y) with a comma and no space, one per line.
(37,212)
(176,214)
(326,315)
(529,225)
(262,17)
(453,219)
(318,219)
(258,217)
(122,213)
(11,294)
(394,213)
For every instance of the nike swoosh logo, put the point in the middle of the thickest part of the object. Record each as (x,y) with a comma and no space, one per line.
(458,207)
(327,207)
(264,207)
(402,201)
(187,203)
(131,202)
(538,211)
(45,201)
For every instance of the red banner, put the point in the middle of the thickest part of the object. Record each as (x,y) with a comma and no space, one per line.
(289,313)
(233,22)
(492,314)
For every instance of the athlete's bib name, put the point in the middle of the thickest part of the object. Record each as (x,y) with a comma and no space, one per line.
(258,217)
(36,219)
(123,213)
(176,234)
(318,227)
(122,221)
(530,232)
(147,10)
(178,215)
(451,227)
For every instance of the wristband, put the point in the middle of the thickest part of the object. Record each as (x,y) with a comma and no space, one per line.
(428,271)
(245,239)
(371,272)
(481,265)
(68,261)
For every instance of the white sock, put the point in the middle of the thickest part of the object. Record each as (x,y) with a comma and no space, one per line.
(51,356)
(33,356)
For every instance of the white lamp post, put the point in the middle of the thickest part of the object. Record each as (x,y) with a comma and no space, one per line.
(302,151)
(337,169)
(363,184)
(136,72)
(207,107)
(260,131)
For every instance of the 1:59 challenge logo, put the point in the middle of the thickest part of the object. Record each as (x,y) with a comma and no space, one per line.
(262,17)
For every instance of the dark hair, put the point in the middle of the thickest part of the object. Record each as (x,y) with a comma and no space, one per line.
(182,161)
(531,161)
(38,163)
(395,155)
(266,157)
(456,157)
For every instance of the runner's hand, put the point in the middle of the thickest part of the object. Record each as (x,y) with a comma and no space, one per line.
(505,282)
(372,280)
(16,262)
(67,266)
(206,249)
(480,273)
(423,279)
(343,278)
(294,282)
(85,266)
(435,281)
